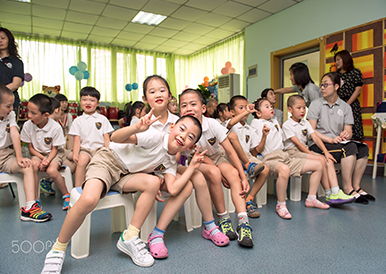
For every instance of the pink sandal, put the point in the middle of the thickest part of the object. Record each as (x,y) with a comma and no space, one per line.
(218,239)
(157,250)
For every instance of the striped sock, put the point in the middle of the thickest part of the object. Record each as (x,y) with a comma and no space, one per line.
(157,231)
(210,225)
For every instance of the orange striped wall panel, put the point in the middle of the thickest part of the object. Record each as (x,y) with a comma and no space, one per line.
(363,40)
(329,47)
(366,98)
(367,124)
(366,65)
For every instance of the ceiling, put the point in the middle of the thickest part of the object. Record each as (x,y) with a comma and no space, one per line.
(190,26)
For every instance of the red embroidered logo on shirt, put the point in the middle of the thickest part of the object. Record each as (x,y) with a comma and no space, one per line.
(47,140)
(98,125)
(212,141)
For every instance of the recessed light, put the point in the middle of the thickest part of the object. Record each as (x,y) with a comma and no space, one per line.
(148,18)
(25,1)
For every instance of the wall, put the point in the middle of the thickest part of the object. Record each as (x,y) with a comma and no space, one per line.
(303,22)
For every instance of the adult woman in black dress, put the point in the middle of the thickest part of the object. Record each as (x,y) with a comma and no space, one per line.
(350,90)
(11,67)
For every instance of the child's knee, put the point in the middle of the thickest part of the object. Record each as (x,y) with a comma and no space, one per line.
(284,171)
(52,170)
(214,174)
(198,179)
(88,201)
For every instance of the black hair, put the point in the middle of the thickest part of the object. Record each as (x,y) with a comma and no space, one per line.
(348,62)
(62,98)
(43,102)
(195,121)
(334,77)
(90,91)
(258,103)
(55,104)
(201,97)
(292,99)
(232,102)
(131,109)
(264,93)
(4,90)
(12,45)
(220,108)
(301,74)
(158,77)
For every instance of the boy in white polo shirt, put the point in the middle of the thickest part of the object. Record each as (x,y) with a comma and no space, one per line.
(247,137)
(123,168)
(297,131)
(12,161)
(91,131)
(45,141)
(281,165)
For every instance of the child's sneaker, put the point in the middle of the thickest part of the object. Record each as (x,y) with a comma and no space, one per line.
(35,214)
(244,230)
(317,204)
(225,227)
(136,249)
(66,201)
(283,212)
(254,169)
(46,186)
(54,262)
(339,199)
(252,210)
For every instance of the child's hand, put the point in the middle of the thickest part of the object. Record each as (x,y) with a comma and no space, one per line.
(266,130)
(345,135)
(336,140)
(244,188)
(45,163)
(41,167)
(145,122)
(198,158)
(225,182)
(329,157)
(159,197)
(250,108)
(75,158)
(24,162)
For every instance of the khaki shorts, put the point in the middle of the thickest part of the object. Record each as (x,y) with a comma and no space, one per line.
(219,157)
(60,156)
(106,167)
(7,158)
(294,152)
(279,156)
(253,159)
(89,152)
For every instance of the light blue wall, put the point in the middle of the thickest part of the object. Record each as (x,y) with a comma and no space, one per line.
(303,22)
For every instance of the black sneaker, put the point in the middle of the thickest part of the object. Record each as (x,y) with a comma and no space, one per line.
(35,214)
(244,231)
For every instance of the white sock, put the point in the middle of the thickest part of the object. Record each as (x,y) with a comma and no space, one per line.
(335,190)
(281,203)
(29,205)
(328,192)
(243,217)
(311,198)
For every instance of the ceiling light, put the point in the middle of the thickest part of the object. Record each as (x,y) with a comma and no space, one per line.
(148,18)
(26,1)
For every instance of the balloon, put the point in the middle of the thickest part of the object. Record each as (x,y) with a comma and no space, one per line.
(128,87)
(73,69)
(224,71)
(228,65)
(186,86)
(232,70)
(27,77)
(86,74)
(82,66)
(134,86)
(22,84)
(79,75)
(206,78)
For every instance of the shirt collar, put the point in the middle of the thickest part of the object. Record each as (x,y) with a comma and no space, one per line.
(338,102)
(294,123)
(205,124)
(45,128)
(94,115)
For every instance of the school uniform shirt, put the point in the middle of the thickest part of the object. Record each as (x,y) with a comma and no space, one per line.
(91,128)
(301,130)
(148,156)
(278,114)
(310,92)
(274,139)
(247,136)
(5,126)
(224,124)
(213,134)
(172,119)
(66,125)
(330,120)
(43,139)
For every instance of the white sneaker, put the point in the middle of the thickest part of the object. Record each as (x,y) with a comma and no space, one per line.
(136,249)
(54,262)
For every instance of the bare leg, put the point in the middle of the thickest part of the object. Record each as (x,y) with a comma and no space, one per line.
(80,173)
(283,172)
(325,180)
(238,148)
(316,168)
(359,169)
(36,162)
(259,182)
(28,180)
(348,165)
(53,172)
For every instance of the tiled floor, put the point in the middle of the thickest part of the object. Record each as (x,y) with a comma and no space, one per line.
(350,239)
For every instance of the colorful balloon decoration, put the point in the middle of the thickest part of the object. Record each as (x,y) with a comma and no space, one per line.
(135,86)
(27,78)
(79,71)
(228,68)
(128,87)
(132,86)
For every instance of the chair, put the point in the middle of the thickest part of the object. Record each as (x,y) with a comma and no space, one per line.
(16,178)
(66,174)
(150,221)
(122,210)
(193,217)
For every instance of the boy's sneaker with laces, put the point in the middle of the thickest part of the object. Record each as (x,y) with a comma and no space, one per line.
(136,249)
(225,226)
(252,210)
(66,201)
(339,199)
(46,186)
(244,232)
(35,214)
(54,262)
(254,169)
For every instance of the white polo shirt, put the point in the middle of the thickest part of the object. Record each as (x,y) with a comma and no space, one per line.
(301,130)
(148,156)
(274,139)
(164,127)
(91,128)
(213,134)
(247,136)
(224,124)
(5,126)
(43,139)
